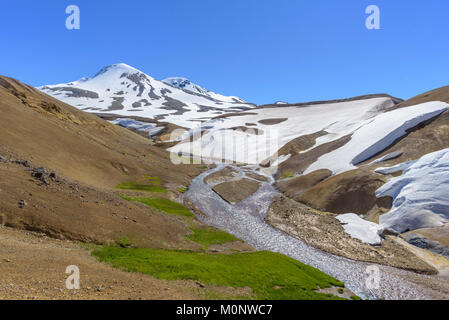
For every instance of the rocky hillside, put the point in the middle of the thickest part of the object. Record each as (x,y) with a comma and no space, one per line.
(59,167)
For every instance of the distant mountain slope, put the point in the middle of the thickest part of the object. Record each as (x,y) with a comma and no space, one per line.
(185,84)
(440,94)
(266,130)
(311,103)
(123,90)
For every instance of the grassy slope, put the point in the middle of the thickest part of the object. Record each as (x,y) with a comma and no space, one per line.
(207,236)
(140,187)
(161,204)
(270,275)
(152,184)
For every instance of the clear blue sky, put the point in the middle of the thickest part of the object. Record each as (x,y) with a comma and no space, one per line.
(260,50)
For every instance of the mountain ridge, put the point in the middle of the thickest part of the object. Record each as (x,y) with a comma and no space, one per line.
(125,90)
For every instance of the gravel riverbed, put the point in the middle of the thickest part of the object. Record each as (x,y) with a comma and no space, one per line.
(245,220)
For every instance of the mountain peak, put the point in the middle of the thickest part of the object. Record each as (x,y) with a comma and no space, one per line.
(122,67)
(185,84)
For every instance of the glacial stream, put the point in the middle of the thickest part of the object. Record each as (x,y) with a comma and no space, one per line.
(245,220)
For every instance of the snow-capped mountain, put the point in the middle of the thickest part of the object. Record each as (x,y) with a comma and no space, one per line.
(125,91)
(186,84)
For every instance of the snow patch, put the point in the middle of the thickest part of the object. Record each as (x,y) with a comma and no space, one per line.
(337,119)
(389,156)
(399,167)
(420,194)
(375,135)
(358,228)
(151,128)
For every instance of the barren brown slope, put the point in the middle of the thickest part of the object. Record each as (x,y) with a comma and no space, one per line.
(440,94)
(78,145)
(33,267)
(90,156)
(349,192)
(68,210)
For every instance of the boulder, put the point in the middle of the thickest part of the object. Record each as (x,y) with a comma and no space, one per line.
(235,191)
(22,204)
(24,163)
(42,175)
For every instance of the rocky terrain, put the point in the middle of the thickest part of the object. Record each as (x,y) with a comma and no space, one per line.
(323,231)
(361,178)
(238,190)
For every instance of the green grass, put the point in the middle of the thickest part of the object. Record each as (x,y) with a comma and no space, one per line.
(124,242)
(164,205)
(270,275)
(355,298)
(287,174)
(183,189)
(204,236)
(141,187)
(207,236)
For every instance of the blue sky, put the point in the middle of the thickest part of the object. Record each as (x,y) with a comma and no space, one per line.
(260,50)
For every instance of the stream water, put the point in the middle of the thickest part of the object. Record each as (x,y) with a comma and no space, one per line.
(246,220)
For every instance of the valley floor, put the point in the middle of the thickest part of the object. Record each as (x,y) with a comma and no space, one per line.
(316,239)
(104,199)
(33,267)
